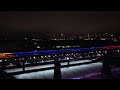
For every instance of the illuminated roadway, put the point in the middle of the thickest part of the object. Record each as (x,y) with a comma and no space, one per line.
(84,71)
(46,66)
(67,72)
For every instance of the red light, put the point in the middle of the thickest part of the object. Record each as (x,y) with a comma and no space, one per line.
(111,47)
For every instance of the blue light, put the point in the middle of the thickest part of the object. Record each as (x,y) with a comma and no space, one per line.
(54,51)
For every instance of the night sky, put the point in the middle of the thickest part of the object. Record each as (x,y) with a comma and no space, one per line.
(60,21)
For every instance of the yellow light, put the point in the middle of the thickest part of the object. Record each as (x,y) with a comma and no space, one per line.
(5,55)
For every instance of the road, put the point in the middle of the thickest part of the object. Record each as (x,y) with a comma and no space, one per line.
(73,72)
(45,66)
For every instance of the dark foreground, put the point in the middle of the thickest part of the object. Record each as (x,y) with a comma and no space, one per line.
(114,75)
(4,75)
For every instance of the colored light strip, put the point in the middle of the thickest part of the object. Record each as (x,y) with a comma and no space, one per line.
(53,51)
(63,50)
(111,47)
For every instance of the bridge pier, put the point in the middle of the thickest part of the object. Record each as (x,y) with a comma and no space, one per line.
(3,64)
(57,68)
(23,65)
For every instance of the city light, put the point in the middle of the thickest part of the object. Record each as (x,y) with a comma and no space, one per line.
(38,46)
(42,57)
(25,38)
(34,57)
(49,56)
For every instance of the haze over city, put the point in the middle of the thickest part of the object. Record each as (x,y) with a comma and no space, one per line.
(60,21)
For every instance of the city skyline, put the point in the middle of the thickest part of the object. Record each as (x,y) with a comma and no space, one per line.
(60,21)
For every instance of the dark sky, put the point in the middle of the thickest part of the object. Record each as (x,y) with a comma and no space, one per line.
(60,21)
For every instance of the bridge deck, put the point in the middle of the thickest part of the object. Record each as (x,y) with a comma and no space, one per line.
(73,72)
(44,66)
(67,72)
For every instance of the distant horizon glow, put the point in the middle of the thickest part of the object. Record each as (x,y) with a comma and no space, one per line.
(78,22)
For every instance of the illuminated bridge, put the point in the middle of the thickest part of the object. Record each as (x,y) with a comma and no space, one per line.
(59,51)
(25,62)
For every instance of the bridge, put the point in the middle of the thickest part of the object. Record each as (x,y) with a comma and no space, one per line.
(32,61)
